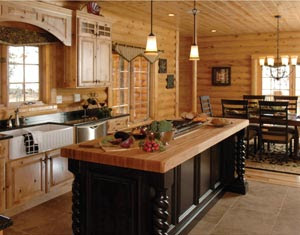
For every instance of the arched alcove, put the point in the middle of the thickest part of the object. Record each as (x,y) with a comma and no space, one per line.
(53,19)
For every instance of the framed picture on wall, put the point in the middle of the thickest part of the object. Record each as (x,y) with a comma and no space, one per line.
(221,76)
(162,65)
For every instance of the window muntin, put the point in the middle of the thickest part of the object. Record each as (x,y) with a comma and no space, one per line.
(23,74)
(140,89)
(120,90)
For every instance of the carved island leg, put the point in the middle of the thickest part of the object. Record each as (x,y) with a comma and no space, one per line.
(240,185)
(160,213)
(76,206)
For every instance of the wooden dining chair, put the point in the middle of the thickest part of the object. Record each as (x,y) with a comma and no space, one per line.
(253,102)
(235,108)
(239,109)
(205,105)
(292,102)
(273,121)
(253,111)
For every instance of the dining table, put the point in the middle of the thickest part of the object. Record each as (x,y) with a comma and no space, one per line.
(293,120)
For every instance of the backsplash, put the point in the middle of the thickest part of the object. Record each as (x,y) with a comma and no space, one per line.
(61,117)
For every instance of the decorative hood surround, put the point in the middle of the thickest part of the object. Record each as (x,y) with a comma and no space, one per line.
(16,36)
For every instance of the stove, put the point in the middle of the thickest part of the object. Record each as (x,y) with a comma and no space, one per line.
(184,126)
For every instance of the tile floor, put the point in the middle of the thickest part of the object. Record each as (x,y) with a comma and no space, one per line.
(266,209)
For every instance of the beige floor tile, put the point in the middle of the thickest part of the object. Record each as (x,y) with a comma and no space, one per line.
(202,228)
(286,225)
(244,221)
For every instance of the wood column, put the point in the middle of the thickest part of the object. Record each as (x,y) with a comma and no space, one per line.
(177,75)
(194,80)
(194,87)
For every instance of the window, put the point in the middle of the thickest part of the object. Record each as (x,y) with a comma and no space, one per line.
(121,73)
(23,74)
(131,87)
(271,86)
(297,89)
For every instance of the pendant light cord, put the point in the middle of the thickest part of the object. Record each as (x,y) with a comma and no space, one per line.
(194,12)
(277,38)
(151,16)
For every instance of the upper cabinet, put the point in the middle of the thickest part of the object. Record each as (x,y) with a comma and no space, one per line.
(93,52)
(56,20)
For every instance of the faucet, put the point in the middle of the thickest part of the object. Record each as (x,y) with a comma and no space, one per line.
(17,121)
(9,123)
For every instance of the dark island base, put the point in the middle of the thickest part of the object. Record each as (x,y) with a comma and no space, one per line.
(111,200)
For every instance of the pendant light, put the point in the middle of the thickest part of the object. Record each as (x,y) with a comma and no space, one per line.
(194,54)
(151,46)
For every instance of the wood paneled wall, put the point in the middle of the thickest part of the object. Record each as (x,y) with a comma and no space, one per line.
(185,71)
(234,51)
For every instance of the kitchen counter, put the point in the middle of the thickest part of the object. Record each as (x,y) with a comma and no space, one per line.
(5,137)
(133,192)
(179,150)
(5,222)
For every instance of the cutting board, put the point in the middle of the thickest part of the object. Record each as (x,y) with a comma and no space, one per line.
(108,148)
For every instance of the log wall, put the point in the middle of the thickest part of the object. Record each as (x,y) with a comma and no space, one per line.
(236,52)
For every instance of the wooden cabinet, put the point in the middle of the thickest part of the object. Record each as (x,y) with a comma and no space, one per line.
(57,170)
(88,61)
(35,175)
(117,124)
(94,51)
(3,157)
(2,184)
(25,179)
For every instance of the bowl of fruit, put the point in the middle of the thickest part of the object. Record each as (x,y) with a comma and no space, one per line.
(152,145)
(139,133)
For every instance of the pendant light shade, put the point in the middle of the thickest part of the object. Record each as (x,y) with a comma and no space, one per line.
(151,46)
(194,53)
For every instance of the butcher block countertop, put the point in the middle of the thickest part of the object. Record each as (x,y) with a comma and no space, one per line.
(178,151)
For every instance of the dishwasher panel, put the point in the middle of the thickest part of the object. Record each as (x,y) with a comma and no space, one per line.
(91,131)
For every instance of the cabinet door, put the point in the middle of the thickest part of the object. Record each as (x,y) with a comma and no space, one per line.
(86,61)
(2,184)
(25,179)
(4,149)
(103,62)
(57,172)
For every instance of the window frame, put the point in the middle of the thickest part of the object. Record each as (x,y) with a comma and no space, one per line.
(12,104)
(131,91)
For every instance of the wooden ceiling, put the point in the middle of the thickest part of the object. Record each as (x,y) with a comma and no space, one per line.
(227,17)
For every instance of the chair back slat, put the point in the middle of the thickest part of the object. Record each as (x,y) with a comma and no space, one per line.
(292,101)
(235,108)
(253,102)
(273,119)
(205,105)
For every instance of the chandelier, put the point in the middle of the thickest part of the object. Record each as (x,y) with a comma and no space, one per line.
(279,66)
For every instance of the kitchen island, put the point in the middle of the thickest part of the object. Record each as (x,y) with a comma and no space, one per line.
(135,192)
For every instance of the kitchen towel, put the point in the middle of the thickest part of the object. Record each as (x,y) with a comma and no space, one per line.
(30,146)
